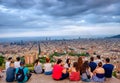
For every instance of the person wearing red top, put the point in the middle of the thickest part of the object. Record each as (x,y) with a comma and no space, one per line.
(74,72)
(59,73)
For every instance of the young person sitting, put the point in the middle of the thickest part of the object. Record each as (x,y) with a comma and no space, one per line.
(22,73)
(47,67)
(7,64)
(108,68)
(68,63)
(38,67)
(74,74)
(92,64)
(17,62)
(99,73)
(10,73)
(85,72)
(1,73)
(98,59)
(59,72)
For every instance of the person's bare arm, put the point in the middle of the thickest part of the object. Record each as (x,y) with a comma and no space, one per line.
(64,71)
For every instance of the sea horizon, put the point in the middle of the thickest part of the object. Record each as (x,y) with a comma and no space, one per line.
(15,39)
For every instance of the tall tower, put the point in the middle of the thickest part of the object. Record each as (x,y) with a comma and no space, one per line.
(39,49)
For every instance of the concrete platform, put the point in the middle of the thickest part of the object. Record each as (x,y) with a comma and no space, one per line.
(41,78)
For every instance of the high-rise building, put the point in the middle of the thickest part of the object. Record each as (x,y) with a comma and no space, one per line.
(39,49)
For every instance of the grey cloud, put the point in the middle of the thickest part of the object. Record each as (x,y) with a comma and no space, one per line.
(47,14)
(18,3)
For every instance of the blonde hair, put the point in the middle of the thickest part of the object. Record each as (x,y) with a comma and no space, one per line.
(11,64)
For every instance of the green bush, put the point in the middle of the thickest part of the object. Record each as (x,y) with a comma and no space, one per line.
(114,73)
(42,59)
(82,54)
(29,65)
(2,60)
(31,68)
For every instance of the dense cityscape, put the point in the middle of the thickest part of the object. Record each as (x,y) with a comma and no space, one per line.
(103,47)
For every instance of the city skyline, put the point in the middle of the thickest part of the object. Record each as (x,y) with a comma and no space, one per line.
(47,18)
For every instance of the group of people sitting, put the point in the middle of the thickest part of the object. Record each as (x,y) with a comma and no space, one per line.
(16,71)
(83,70)
(93,70)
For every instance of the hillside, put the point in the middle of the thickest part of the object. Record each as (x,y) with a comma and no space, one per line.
(116,36)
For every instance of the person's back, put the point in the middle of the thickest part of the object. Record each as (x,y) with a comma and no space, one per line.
(38,67)
(74,72)
(98,59)
(47,67)
(10,73)
(92,64)
(85,72)
(108,68)
(57,72)
(68,63)
(17,62)
(7,64)
(25,71)
(98,73)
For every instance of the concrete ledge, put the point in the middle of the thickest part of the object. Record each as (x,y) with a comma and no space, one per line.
(41,78)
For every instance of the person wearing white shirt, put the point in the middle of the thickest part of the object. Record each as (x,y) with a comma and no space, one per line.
(48,67)
(7,64)
(98,59)
(17,62)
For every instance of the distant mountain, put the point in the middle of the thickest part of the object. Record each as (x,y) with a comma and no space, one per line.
(116,36)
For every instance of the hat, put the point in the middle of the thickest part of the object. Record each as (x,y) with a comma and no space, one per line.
(22,63)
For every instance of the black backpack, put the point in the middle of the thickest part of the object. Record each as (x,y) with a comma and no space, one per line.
(20,75)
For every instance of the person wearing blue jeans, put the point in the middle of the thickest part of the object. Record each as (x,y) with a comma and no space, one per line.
(48,67)
(64,76)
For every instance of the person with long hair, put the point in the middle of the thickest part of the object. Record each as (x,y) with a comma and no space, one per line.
(38,67)
(74,74)
(68,63)
(80,62)
(85,72)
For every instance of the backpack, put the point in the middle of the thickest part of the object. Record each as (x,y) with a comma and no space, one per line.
(20,75)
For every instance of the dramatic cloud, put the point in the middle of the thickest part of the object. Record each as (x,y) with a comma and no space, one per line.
(20,18)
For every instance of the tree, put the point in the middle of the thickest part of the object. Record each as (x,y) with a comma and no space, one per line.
(1,60)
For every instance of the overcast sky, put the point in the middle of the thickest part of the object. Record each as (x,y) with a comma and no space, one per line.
(28,18)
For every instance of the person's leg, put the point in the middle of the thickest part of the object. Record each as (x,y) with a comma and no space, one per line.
(42,70)
(29,75)
(64,76)
(86,80)
(48,73)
